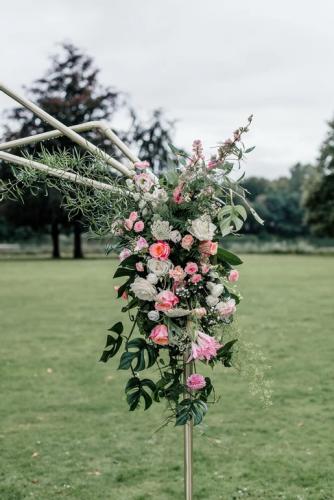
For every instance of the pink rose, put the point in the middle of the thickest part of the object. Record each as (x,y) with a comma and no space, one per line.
(196,278)
(208,247)
(177,273)
(226,309)
(205,268)
(139,226)
(191,268)
(199,312)
(133,216)
(141,165)
(140,267)
(187,241)
(196,382)
(177,195)
(141,244)
(165,300)
(233,276)
(159,335)
(160,250)
(128,224)
(144,181)
(125,253)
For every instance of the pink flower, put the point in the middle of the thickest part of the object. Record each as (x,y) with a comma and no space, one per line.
(133,216)
(159,335)
(199,312)
(125,253)
(177,273)
(124,295)
(191,268)
(226,309)
(177,195)
(139,226)
(128,224)
(233,276)
(212,164)
(160,250)
(140,267)
(144,181)
(187,241)
(165,300)
(198,149)
(204,347)
(141,244)
(208,247)
(141,165)
(196,278)
(205,268)
(196,382)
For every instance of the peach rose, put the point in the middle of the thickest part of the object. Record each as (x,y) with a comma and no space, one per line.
(177,273)
(187,241)
(191,268)
(160,250)
(208,247)
(159,335)
(128,224)
(199,312)
(165,300)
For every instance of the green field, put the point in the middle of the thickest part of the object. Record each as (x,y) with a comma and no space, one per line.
(65,431)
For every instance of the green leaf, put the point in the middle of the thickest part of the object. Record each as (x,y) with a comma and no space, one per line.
(224,255)
(135,389)
(143,357)
(113,344)
(224,354)
(133,303)
(188,409)
(123,288)
(249,150)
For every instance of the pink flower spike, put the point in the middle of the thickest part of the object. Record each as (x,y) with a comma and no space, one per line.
(139,226)
(177,195)
(196,382)
(212,164)
(142,165)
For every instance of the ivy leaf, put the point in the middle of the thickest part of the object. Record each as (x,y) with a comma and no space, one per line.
(224,255)
(135,389)
(144,356)
(113,344)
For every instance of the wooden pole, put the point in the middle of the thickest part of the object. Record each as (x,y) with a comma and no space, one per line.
(188,437)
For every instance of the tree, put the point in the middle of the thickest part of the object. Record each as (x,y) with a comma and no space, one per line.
(318,196)
(69,91)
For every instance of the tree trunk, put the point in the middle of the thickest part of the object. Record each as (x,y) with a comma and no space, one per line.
(55,239)
(77,248)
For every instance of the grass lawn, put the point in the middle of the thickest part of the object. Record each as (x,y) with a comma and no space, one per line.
(65,431)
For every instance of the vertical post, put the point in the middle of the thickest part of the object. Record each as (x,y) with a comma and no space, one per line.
(188,437)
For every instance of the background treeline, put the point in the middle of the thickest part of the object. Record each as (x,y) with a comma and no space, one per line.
(297,206)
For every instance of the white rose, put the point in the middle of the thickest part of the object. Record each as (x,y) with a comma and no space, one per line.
(215,289)
(175,236)
(160,194)
(142,203)
(153,315)
(159,267)
(202,228)
(143,289)
(211,300)
(152,278)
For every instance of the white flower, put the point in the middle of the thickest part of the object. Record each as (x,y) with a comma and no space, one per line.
(211,300)
(215,289)
(152,278)
(142,203)
(143,289)
(161,230)
(153,315)
(129,184)
(177,312)
(175,236)
(160,194)
(202,228)
(136,196)
(159,267)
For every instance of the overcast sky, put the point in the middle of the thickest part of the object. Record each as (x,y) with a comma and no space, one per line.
(209,64)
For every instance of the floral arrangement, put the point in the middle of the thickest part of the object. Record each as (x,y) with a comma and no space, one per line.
(179,280)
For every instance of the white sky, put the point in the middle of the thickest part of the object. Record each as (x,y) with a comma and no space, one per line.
(208,64)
